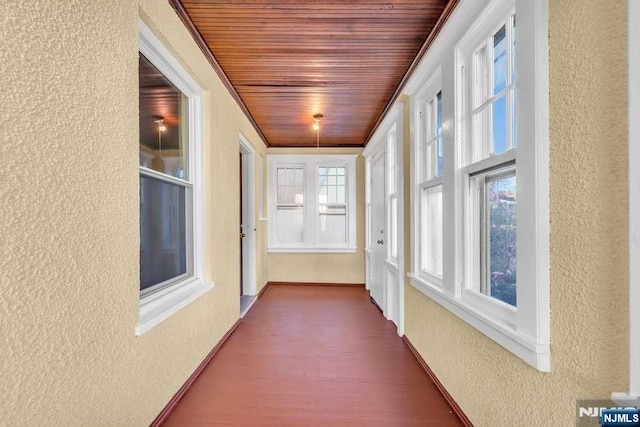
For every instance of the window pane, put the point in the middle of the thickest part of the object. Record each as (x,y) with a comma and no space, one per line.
(431,230)
(163,229)
(514,123)
(340,198)
(439,112)
(500,125)
(481,81)
(290,224)
(513,53)
(333,225)
(501,212)
(499,60)
(163,122)
(439,156)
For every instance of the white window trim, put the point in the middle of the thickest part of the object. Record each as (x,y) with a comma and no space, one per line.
(634,206)
(158,306)
(428,91)
(311,164)
(528,338)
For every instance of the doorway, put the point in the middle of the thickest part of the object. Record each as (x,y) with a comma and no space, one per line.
(247,231)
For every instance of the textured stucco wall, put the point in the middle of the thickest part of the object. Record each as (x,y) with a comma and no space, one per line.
(324,268)
(69,210)
(589,281)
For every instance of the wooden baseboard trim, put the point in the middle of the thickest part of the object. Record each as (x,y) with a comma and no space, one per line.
(264,288)
(355,285)
(454,405)
(162,416)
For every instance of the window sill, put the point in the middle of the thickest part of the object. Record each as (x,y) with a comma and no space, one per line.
(536,355)
(159,306)
(313,250)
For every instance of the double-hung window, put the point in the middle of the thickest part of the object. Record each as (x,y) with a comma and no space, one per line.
(428,163)
(312,203)
(480,181)
(171,274)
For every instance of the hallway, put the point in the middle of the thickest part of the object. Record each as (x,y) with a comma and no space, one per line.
(313,356)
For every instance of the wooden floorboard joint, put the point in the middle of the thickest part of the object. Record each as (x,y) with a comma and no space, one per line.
(454,405)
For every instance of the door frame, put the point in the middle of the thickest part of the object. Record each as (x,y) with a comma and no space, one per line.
(249,217)
(396,266)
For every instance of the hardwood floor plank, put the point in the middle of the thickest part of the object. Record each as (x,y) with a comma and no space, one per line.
(313,356)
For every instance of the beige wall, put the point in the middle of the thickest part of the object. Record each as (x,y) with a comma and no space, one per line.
(69,206)
(324,268)
(589,282)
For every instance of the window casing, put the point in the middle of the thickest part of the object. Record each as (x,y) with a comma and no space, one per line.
(171,246)
(312,203)
(494,176)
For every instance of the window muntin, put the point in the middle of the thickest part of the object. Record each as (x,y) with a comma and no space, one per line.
(290,204)
(493,93)
(166,191)
(332,205)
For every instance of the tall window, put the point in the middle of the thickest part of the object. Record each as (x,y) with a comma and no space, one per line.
(312,203)
(290,204)
(481,173)
(429,186)
(171,244)
(332,205)
(490,166)
(166,184)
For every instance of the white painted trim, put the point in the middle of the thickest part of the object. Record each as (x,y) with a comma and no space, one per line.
(165,303)
(634,198)
(377,147)
(534,354)
(248,307)
(158,306)
(311,162)
(249,254)
(533,317)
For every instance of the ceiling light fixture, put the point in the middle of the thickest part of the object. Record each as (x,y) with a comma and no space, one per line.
(317,118)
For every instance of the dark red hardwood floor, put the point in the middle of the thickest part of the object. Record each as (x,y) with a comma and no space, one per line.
(313,356)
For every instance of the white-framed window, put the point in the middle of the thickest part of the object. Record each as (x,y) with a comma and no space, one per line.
(490,184)
(427,186)
(171,270)
(312,204)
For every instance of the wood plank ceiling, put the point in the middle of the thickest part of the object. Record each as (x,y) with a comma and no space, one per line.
(287,60)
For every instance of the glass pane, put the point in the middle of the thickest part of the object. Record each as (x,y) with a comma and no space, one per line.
(332,180)
(322,196)
(431,230)
(501,211)
(298,197)
(514,122)
(290,224)
(341,180)
(341,171)
(322,171)
(163,122)
(333,225)
(281,176)
(439,156)
(282,195)
(500,125)
(499,60)
(481,91)
(291,179)
(299,176)
(513,52)
(479,147)
(340,198)
(332,171)
(332,194)
(439,113)
(163,229)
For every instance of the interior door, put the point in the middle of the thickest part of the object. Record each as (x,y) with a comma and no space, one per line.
(377,230)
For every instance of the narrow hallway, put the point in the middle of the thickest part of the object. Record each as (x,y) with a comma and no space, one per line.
(313,356)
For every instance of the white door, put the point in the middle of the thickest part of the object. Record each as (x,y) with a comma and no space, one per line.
(377,231)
